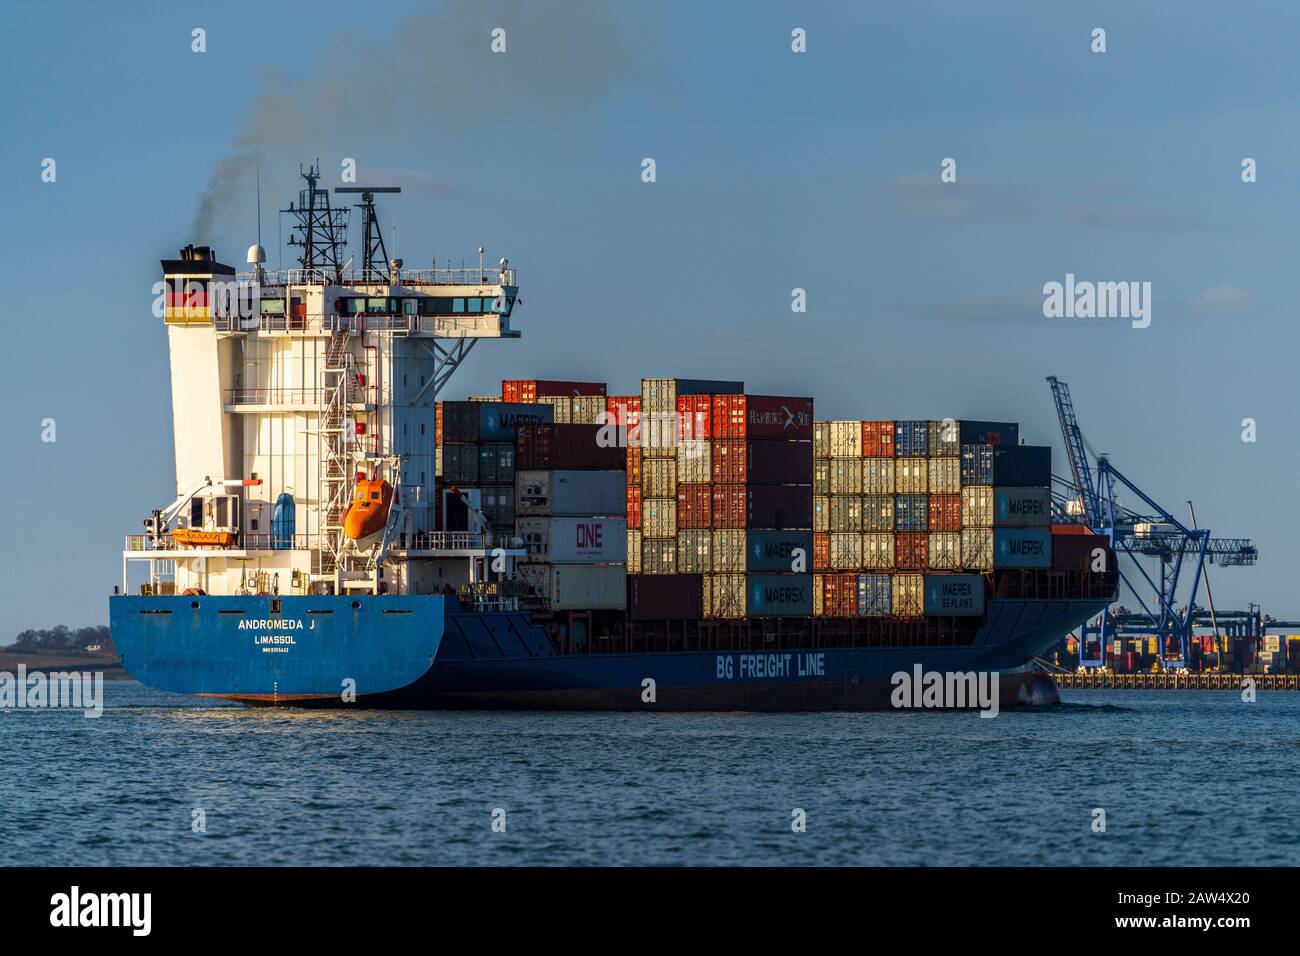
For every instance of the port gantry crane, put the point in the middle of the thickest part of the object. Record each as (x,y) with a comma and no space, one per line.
(1089,497)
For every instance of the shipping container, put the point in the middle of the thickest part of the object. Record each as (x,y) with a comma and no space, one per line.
(943,476)
(658,555)
(694,506)
(1022,548)
(708,386)
(945,550)
(658,434)
(633,467)
(911,439)
(840,595)
(724,596)
(497,502)
(943,440)
(821,551)
(695,551)
(1021,466)
(846,476)
(954,594)
(878,513)
(878,551)
(544,493)
(437,423)
(496,463)
(846,439)
(694,417)
(821,439)
(694,462)
(653,597)
(875,595)
(1080,552)
(762,462)
(562,406)
(846,513)
(574,540)
(878,439)
(578,586)
(763,416)
(908,595)
(489,421)
(945,513)
(988,433)
(729,551)
(658,517)
(1022,507)
(878,476)
(822,513)
(588,409)
(633,552)
(659,395)
(778,551)
(624,413)
(912,551)
(821,476)
(912,512)
(911,476)
(460,464)
(528,390)
(762,506)
(977,548)
(779,595)
(659,478)
(819,585)
(633,511)
(846,551)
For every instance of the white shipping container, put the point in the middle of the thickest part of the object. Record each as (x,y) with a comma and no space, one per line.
(694,551)
(659,395)
(724,595)
(846,439)
(694,462)
(821,439)
(878,476)
(633,551)
(578,586)
(563,405)
(846,551)
(729,551)
(944,476)
(878,551)
(574,540)
(819,598)
(846,513)
(587,409)
(821,513)
(945,550)
(909,595)
(846,476)
(878,513)
(658,434)
(977,507)
(659,517)
(659,478)
(658,555)
(977,548)
(821,476)
(910,476)
(545,493)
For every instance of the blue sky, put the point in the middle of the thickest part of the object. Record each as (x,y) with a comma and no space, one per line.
(775,170)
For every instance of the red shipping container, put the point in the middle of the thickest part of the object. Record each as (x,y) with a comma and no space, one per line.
(624,412)
(840,595)
(437,423)
(945,512)
(762,462)
(912,551)
(762,416)
(632,464)
(528,390)
(693,417)
(728,506)
(694,506)
(633,507)
(878,440)
(565,446)
(665,596)
(821,551)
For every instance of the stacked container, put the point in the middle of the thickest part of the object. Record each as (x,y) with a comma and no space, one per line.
(1006,499)
(478,451)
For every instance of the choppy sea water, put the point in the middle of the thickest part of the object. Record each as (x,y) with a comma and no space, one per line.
(1183,778)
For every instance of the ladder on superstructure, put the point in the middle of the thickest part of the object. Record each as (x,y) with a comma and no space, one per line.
(338,470)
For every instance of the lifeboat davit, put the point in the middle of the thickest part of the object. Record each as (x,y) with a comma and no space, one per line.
(368,512)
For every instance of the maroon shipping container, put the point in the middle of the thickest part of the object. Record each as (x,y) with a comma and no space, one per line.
(763,416)
(1074,552)
(530,389)
(665,596)
(912,551)
(694,506)
(565,446)
(762,506)
(764,462)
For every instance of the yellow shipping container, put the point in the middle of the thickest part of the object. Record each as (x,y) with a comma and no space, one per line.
(977,506)
(659,517)
(846,513)
(821,476)
(878,476)
(659,478)
(944,476)
(878,551)
(819,597)
(694,551)
(562,404)
(587,409)
(908,595)
(821,513)
(634,552)
(846,439)
(659,395)
(878,513)
(910,476)
(821,439)
(846,551)
(658,434)
(694,462)
(945,550)
(729,551)
(977,548)
(846,476)
(724,595)
(658,555)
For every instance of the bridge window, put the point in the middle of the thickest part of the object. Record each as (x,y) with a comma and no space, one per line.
(273,306)
(457,305)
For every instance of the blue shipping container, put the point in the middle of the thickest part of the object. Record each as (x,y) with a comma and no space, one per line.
(911,439)
(874,595)
(779,595)
(705,386)
(1022,507)
(953,594)
(977,464)
(1022,548)
(775,550)
(989,433)
(912,512)
(490,421)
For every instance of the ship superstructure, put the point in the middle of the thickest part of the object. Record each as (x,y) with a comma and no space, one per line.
(297,384)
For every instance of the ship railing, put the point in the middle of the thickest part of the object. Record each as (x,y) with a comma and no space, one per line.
(276,395)
(454,541)
(244,541)
(447,275)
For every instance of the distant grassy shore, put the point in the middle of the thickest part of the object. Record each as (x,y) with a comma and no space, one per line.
(58,661)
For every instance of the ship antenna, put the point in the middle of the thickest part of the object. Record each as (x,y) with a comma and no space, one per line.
(259,192)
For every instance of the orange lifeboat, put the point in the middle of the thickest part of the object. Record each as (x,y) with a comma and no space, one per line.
(369,509)
(198,538)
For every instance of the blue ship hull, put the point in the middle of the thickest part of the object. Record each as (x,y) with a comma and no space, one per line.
(414,652)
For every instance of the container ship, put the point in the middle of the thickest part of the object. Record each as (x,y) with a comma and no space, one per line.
(341,535)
